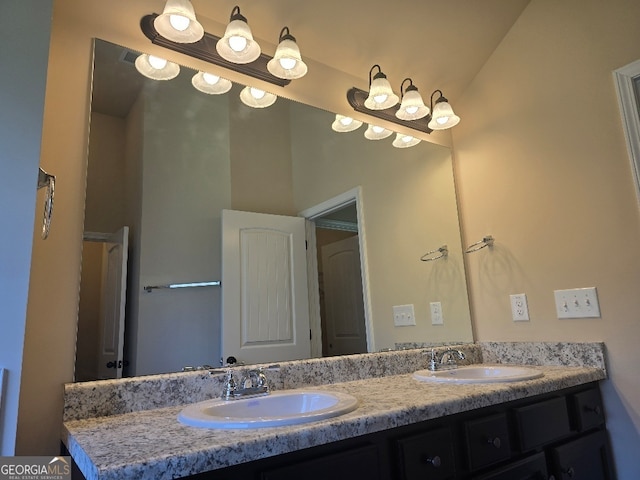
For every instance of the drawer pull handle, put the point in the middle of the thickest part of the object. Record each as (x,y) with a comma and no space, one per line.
(435,461)
(597,410)
(496,442)
(569,471)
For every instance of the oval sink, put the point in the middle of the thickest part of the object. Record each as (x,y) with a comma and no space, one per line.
(286,407)
(479,374)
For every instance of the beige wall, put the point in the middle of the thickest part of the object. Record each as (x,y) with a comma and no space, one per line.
(542,165)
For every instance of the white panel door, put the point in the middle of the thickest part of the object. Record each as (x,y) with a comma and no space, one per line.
(343,299)
(265,312)
(112,305)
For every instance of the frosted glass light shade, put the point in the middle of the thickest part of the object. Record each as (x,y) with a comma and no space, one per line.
(178,22)
(405,141)
(343,124)
(156,68)
(237,44)
(287,62)
(375,132)
(257,98)
(412,106)
(381,95)
(443,116)
(210,84)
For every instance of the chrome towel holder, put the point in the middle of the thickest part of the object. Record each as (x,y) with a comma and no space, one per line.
(442,252)
(49,181)
(487,241)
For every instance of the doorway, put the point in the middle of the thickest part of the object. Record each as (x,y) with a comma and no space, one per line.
(340,313)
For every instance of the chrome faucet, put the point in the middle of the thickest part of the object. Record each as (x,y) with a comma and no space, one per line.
(447,359)
(253,383)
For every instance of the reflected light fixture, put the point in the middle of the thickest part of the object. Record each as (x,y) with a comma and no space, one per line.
(381,95)
(287,62)
(442,116)
(178,22)
(374,132)
(237,45)
(343,124)
(412,107)
(156,68)
(210,84)
(405,141)
(257,98)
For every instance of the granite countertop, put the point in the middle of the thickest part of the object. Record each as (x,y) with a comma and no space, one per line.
(152,444)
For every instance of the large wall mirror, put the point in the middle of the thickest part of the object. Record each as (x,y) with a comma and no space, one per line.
(166,159)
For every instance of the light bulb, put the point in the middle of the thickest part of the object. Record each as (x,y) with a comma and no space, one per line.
(346,121)
(380,98)
(411,110)
(210,78)
(377,129)
(257,93)
(237,43)
(288,63)
(179,22)
(442,120)
(157,62)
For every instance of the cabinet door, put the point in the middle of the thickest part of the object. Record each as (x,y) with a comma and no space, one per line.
(487,440)
(587,409)
(531,468)
(427,455)
(586,458)
(348,465)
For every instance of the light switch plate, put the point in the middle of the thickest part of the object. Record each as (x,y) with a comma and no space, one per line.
(577,303)
(403,315)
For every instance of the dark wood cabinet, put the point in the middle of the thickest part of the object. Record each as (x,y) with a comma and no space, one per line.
(529,468)
(427,455)
(585,458)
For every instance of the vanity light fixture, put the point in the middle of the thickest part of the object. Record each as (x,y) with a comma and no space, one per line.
(381,95)
(375,132)
(343,124)
(442,116)
(287,62)
(237,45)
(178,22)
(257,98)
(156,68)
(412,106)
(405,141)
(210,84)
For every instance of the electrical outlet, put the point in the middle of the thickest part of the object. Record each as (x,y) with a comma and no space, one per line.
(519,307)
(577,303)
(436,313)
(403,315)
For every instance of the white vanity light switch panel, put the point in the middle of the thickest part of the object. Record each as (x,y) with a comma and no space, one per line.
(403,315)
(577,303)
(519,307)
(436,313)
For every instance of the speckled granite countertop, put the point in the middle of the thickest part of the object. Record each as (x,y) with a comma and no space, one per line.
(152,444)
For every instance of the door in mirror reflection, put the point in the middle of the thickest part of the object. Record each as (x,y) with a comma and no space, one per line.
(265,312)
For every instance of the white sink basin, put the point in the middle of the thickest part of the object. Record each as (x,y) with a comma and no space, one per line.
(479,374)
(286,407)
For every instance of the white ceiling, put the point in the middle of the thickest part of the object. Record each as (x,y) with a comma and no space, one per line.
(438,43)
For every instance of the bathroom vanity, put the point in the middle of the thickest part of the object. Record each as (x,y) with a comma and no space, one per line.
(402,428)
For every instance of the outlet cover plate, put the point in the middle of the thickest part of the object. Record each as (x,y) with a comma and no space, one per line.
(436,313)
(577,303)
(519,307)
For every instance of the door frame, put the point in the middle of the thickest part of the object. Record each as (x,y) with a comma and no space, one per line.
(625,78)
(328,206)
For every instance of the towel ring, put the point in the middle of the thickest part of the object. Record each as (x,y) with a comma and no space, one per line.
(443,251)
(49,181)
(487,241)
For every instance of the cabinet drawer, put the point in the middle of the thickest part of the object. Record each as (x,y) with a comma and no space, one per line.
(586,458)
(542,423)
(487,440)
(427,455)
(530,468)
(587,409)
(359,462)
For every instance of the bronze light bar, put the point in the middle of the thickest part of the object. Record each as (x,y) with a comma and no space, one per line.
(356,98)
(205,49)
